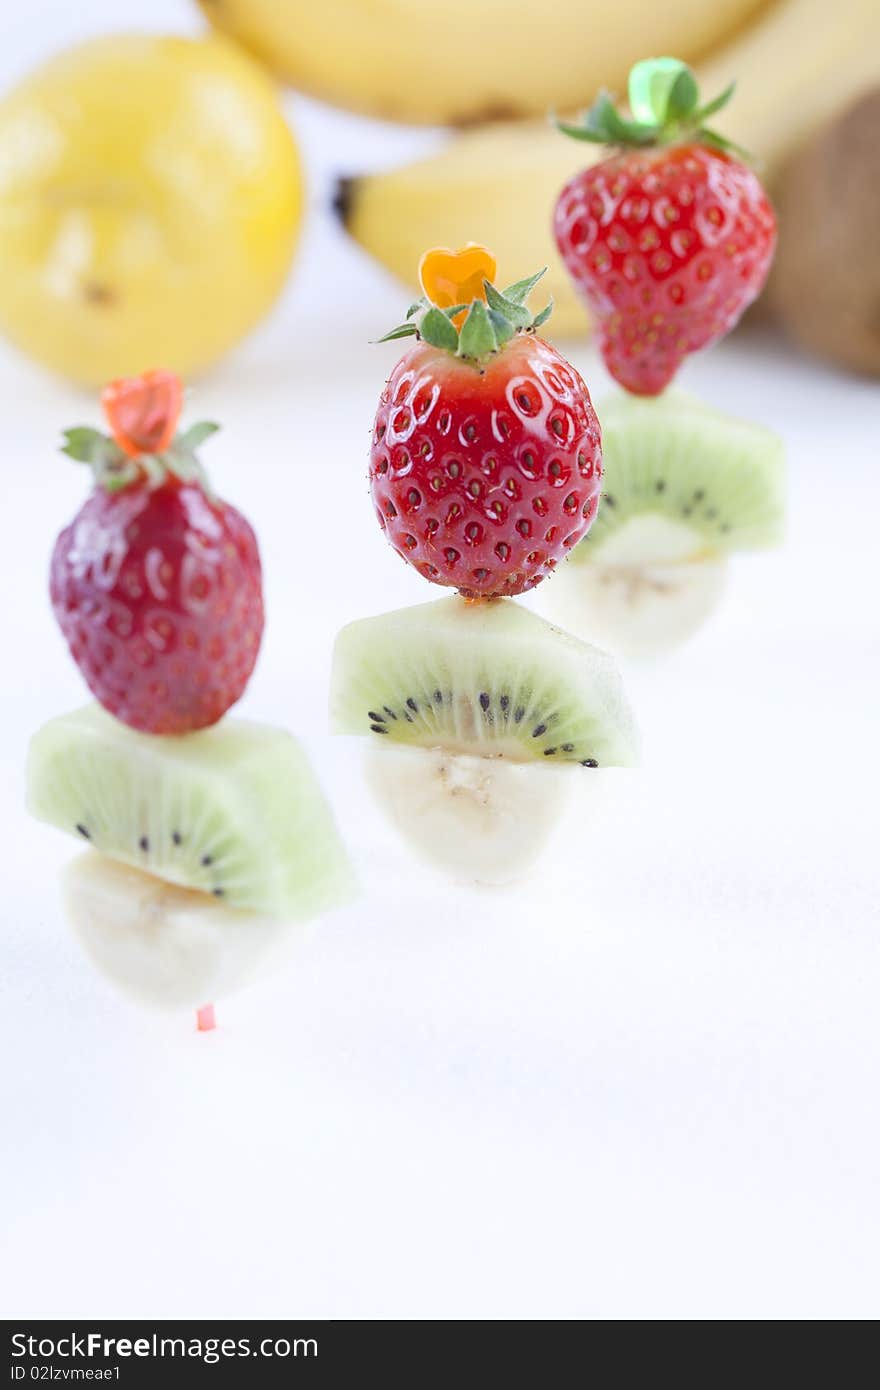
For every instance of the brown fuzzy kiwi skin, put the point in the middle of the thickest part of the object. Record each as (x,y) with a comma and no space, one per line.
(825,285)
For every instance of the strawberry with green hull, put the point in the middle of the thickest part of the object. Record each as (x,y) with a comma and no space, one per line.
(670,239)
(156,583)
(486,460)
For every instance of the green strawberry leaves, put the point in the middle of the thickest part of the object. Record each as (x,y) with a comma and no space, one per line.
(664,103)
(195,435)
(438,330)
(489,324)
(660,90)
(88,446)
(604,125)
(477,337)
(512,310)
(113,469)
(544,315)
(436,333)
(519,292)
(502,328)
(403,330)
(711,107)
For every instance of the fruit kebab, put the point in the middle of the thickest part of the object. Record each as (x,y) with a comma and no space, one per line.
(208,836)
(485,472)
(669,239)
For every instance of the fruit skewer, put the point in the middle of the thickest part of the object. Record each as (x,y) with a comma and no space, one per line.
(485,472)
(668,238)
(208,836)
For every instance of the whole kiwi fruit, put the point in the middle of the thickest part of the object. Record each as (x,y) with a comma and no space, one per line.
(825,285)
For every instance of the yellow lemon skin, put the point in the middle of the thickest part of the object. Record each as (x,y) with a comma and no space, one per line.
(150,198)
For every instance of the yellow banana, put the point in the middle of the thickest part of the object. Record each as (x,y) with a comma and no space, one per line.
(496,186)
(800,63)
(796,67)
(463,61)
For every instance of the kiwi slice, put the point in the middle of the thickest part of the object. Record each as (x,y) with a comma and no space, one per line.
(490,679)
(234,810)
(682,481)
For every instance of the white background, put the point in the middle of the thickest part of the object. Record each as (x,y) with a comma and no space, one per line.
(642,1086)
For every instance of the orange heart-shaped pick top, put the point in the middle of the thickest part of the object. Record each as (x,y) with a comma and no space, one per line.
(143,411)
(456,277)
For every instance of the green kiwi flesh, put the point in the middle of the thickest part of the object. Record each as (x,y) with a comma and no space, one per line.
(234,810)
(487,678)
(682,481)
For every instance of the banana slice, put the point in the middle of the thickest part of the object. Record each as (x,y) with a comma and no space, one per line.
(635,610)
(484,820)
(166,946)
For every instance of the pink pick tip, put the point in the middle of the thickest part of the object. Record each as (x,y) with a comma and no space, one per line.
(205,1019)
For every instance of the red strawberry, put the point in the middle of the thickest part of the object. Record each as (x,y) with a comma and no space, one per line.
(156,585)
(486,464)
(668,241)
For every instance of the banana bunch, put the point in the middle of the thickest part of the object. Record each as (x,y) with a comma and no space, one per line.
(797,65)
(461,62)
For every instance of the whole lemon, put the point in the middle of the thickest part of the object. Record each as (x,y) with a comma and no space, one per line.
(150,197)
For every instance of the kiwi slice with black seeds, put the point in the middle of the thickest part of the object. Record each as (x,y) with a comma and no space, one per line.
(489,679)
(234,811)
(682,481)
